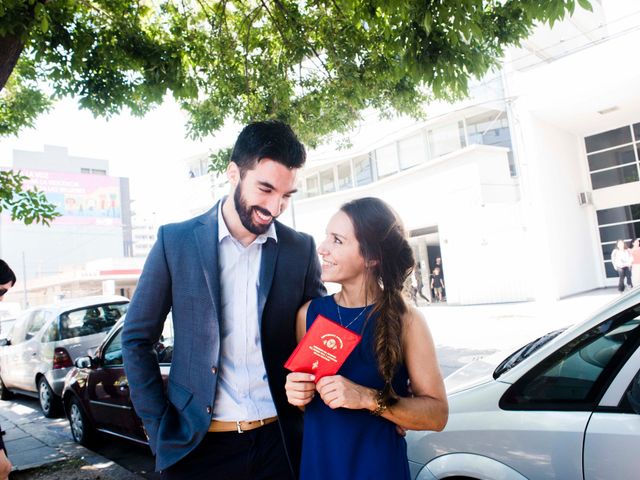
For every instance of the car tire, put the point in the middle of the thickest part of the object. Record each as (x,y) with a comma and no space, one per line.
(49,401)
(4,393)
(81,428)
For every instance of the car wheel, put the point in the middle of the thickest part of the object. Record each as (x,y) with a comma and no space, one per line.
(49,402)
(81,430)
(4,393)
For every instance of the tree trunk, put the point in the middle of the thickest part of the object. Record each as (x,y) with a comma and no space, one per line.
(11,47)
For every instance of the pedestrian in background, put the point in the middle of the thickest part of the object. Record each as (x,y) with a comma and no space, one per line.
(7,281)
(438,264)
(437,284)
(622,260)
(233,279)
(635,266)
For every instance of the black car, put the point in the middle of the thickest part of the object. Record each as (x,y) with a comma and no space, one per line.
(96,391)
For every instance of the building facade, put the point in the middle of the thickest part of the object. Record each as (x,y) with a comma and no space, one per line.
(95,221)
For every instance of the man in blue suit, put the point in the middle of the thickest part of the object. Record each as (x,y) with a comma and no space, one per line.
(233,279)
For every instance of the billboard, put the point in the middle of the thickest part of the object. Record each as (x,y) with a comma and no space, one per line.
(82,199)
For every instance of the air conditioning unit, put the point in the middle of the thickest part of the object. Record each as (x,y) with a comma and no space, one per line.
(585,198)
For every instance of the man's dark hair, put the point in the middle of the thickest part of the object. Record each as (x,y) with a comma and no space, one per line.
(271,139)
(6,274)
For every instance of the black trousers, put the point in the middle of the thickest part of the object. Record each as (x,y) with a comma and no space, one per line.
(624,272)
(258,454)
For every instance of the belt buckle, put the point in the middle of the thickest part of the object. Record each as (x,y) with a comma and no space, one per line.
(239,426)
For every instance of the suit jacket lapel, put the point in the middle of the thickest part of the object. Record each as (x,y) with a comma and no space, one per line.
(206,233)
(270,251)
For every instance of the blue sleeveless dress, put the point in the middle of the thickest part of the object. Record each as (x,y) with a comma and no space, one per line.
(345,444)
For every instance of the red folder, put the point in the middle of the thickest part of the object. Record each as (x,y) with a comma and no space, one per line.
(323,349)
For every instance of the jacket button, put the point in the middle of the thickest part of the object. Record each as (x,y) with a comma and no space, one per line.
(208,409)
(214,370)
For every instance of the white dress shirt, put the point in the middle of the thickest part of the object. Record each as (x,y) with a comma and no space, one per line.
(243,391)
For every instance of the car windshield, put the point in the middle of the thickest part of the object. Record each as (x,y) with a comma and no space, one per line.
(526,351)
(88,321)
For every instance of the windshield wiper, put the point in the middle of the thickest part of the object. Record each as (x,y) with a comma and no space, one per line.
(526,351)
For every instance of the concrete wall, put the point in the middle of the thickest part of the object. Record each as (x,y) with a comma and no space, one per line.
(557,174)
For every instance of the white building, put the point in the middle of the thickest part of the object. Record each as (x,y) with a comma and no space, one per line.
(524,188)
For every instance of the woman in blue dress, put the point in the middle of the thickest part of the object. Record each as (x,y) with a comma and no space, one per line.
(354,421)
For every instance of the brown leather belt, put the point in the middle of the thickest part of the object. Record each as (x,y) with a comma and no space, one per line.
(239,426)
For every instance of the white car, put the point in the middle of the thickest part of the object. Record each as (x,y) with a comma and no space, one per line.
(45,341)
(566,406)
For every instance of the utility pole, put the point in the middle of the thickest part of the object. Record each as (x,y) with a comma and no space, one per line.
(24,281)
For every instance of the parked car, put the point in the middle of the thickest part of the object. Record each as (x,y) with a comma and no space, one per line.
(565,406)
(96,392)
(45,341)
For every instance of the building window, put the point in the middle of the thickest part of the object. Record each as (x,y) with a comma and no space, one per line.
(612,138)
(327,181)
(612,156)
(362,169)
(312,186)
(412,151)
(344,176)
(85,170)
(446,139)
(491,128)
(387,160)
(615,224)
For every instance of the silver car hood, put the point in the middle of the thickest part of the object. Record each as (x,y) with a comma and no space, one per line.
(475,373)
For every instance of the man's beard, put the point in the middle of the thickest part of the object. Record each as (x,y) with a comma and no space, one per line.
(245,213)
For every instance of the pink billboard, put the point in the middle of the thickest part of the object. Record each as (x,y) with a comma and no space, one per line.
(82,199)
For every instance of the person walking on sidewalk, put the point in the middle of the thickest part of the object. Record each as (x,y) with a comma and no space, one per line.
(437,284)
(233,279)
(7,281)
(622,260)
(635,266)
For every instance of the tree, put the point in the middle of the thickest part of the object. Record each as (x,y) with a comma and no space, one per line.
(315,64)
(28,206)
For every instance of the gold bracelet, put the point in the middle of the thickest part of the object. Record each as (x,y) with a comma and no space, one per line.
(381,406)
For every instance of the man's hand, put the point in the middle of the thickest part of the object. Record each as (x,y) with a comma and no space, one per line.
(300,388)
(5,466)
(339,392)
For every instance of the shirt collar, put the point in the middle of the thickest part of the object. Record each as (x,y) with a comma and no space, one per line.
(223,230)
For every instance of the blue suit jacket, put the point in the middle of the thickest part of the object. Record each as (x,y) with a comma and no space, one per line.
(181,274)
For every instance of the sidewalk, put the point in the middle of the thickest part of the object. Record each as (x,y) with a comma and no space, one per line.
(34,441)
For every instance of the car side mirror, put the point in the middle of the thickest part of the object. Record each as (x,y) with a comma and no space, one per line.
(5,342)
(84,362)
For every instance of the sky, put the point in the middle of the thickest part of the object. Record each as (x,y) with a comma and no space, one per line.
(148,150)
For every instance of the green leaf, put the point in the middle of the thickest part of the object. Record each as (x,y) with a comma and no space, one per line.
(586,4)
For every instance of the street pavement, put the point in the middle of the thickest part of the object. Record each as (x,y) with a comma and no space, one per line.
(461,334)
(33,441)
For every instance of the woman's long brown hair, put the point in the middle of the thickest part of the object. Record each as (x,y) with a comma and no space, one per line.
(389,260)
